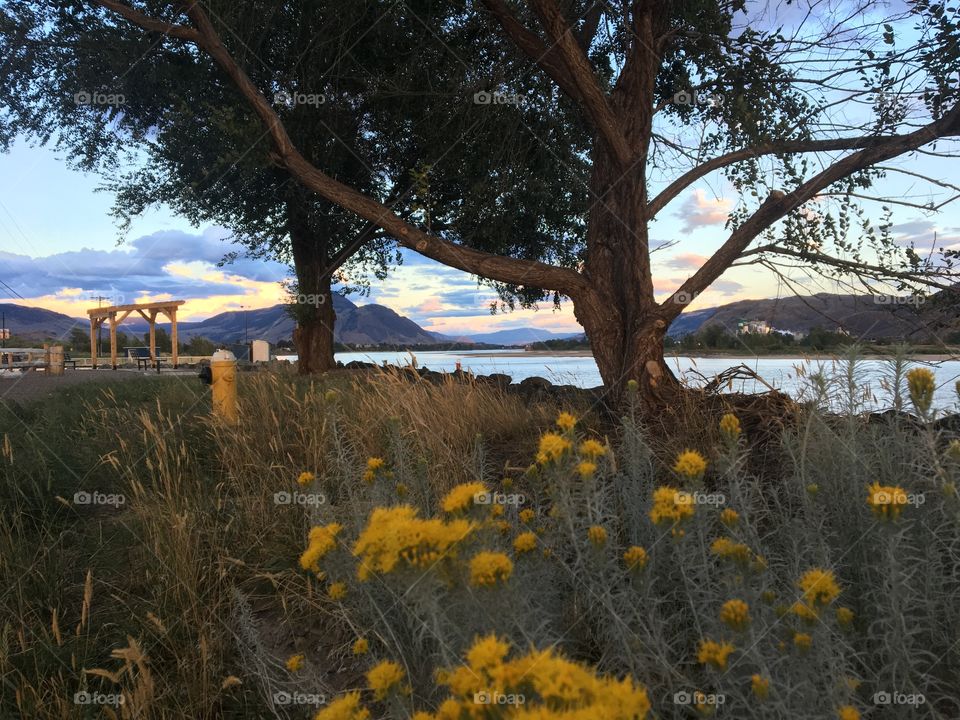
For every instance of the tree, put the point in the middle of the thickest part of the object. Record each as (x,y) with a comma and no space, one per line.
(785,117)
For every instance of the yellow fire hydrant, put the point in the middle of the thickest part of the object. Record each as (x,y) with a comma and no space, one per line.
(223,368)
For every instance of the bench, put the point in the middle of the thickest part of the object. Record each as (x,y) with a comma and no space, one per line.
(67,360)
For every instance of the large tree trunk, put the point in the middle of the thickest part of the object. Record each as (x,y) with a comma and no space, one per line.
(621,316)
(313,335)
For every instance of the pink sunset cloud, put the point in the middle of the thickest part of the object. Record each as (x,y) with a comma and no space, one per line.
(698,210)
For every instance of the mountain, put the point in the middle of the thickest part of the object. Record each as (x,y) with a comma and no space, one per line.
(34,322)
(515,336)
(866,317)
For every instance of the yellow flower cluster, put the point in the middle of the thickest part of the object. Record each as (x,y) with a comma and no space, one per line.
(396,535)
(295,662)
(337,591)
(729,517)
(488,568)
(592,449)
(384,677)
(886,501)
(566,421)
(671,505)
(760,686)
(714,653)
(374,467)
(361,646)
(730,426)
(524,542)
(844,616)
(730,550)
(802,640)
(526,515)
(586,469)
(552,447)
(690,464)
(635,558)
(345,707)
(819,587)
(462,496)
(597,535)
(736,614)
(921,384)
(321,540)
(848,712)
(305,478)
(553,687)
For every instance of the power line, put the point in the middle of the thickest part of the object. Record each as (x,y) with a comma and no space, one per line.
(11,290)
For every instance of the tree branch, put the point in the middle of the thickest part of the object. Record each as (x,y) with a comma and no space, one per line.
(503,269)
(789,146)
(778,205)
(594,101)
(148,23)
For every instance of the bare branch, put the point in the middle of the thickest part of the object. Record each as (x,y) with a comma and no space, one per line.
(148,23)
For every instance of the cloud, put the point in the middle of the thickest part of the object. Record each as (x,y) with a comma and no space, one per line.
(924,235)
(686,261)
(698,210)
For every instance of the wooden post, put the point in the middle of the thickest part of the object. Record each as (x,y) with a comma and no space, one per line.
(93,342)
(173,334)
(153,339)
(113,340)
(56,364)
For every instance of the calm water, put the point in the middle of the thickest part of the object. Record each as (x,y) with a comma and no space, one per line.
(791,375)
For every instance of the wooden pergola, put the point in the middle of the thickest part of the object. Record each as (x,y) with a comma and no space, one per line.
(116,314)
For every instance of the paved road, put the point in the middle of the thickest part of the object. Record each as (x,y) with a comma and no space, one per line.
(31,386)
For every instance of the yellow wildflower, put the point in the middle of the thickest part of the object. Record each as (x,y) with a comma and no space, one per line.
(921,383)
(714,653)
(635,558)
(730,426)
(361,646)
(813,488)
(345,707)
(552,447)
(802,640)
(592,448)
(524,542)
(486,652)
(526,515)
(690,464)
(760,686)
(401,490)
(566,421)
(586,469)
(395,536)
(462,496)
(295,662)
(507,484)
(337,591)
(729,517)
(305,478)
(384,677)
(886,501)
(671,505)
(844,616)
(597,535)
(819,587)
(736,614)
(730,550)
(804,611)
(321,540)
(496,510)
(374,466)
(848,712)
(488,568)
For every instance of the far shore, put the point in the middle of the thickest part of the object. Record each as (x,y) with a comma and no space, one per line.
(923,357)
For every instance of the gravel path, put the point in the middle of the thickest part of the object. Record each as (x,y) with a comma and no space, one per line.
(30,386)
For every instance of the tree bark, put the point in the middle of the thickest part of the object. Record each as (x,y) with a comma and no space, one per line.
(313,335)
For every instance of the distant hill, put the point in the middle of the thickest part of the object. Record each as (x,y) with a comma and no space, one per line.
(34,322)
(862,316)
(516,336)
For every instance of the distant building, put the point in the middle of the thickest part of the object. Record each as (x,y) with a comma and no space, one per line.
(753,327)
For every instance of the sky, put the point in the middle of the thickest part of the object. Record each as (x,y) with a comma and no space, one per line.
(60,249)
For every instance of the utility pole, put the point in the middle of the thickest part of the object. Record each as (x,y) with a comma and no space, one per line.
(3,329)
